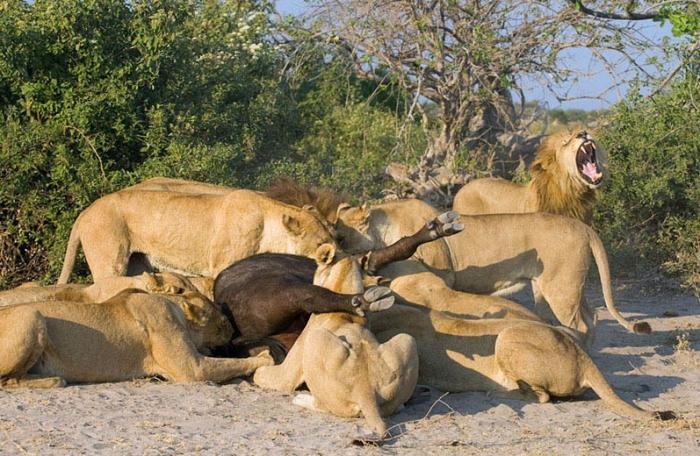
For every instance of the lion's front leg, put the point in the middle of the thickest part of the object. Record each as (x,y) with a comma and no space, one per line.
(289,375)
(178,359)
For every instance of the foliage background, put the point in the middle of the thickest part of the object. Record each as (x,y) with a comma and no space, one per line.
(99,94)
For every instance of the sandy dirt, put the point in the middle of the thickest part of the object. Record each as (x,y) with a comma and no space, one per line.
(660,371)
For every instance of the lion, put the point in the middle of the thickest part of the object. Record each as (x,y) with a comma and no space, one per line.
(131,335)
(494,253)
(567,174)
(193,234)
(347,371)
(105,288)
(514,359)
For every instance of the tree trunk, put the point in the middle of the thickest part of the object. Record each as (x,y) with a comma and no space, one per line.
(434,179)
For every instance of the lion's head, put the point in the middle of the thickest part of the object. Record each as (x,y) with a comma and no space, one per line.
(580,156)
(337,271)
(207,324)
(567,174)
(352,229)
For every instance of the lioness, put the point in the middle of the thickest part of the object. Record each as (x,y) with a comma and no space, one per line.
(196,234)
(567,173)
(103,289)
(132,335)
(346,370)
(513,358)
(493,253)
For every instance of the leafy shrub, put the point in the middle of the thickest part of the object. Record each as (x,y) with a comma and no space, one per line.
(98,94)
(650,212)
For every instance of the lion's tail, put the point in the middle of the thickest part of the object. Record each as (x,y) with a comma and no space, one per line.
(593,378)
(601,260)
(71,253)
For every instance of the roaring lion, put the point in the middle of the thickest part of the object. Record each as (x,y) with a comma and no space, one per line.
(567,173)
(103,289)
(347,371)
(134,334)
(192,233)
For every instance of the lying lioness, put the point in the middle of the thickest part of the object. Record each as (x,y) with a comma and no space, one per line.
(513,358)
(347,371)
(132,335)
(103,289)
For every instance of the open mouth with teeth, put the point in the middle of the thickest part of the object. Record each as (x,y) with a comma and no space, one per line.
(587,163)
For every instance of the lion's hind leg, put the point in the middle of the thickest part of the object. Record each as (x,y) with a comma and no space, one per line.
(23,336)
(540,360)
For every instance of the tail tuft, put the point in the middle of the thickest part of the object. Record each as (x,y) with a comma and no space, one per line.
(666,415)
(641,327)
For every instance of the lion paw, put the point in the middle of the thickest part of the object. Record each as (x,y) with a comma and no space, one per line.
(264,359)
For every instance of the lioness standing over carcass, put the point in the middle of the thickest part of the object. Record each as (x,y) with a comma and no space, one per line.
(494,253)
(566,176)
(195,234)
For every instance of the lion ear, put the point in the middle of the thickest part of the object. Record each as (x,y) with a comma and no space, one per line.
(311,208)
(342,207)
(292,224)
(193,313)
(324,254)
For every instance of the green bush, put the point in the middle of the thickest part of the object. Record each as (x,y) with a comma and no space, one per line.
(99,94)
(650,212)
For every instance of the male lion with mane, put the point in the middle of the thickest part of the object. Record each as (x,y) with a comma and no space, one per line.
(566,177)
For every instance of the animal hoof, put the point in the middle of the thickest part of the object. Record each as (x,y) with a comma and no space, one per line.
(447,217)
(445,224)
(382,304)
(376,293)
(452,228)
(641,327)
(665,415)
(374,299)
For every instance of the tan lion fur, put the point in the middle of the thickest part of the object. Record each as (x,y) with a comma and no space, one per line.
(168,184)
(103,289)
(494,253)
(195,234)
(512,358)
(556,186)
(347,371)
(131,335)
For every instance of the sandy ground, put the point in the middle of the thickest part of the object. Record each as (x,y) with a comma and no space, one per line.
(660,371)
